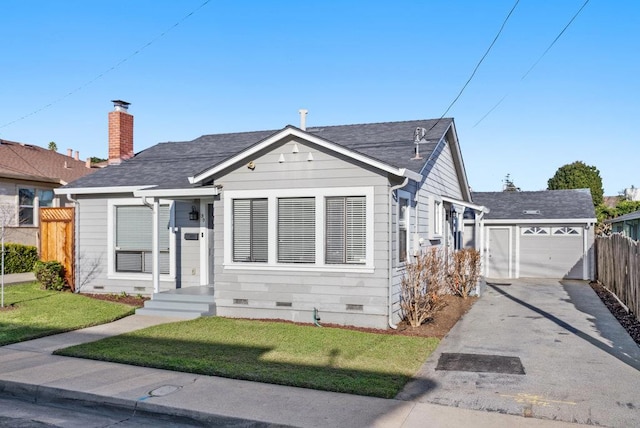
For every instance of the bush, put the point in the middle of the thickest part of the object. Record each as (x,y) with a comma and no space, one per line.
(423,283)
(50,275)
(19,258)
(464,271)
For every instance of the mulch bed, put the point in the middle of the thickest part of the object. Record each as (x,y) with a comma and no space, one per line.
(138,302)
(626,319)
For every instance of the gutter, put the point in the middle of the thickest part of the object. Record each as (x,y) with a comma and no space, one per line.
(390,243)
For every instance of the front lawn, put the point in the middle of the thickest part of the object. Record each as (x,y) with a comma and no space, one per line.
(328,359)
(30,312)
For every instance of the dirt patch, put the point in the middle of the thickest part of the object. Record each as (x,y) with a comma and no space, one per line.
(135,301)
(626,319)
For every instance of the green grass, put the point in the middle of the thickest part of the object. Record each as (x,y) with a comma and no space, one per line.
(30,312)
(328,359)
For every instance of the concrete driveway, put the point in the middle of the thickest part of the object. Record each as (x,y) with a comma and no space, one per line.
(542,348)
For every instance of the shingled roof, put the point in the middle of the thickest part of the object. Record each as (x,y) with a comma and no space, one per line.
(28,162)
(546,204)
(168,165)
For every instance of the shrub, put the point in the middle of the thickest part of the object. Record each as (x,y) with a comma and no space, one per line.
(50,275)
(19,258)
(422,285)
(464,271)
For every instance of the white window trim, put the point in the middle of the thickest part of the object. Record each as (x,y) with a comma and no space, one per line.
(402,194)
(437,218)
(320,194)
(111,268)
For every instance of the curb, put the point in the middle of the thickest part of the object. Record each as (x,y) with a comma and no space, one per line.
(45,395)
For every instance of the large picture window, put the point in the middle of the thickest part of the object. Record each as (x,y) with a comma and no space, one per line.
(250,230)
(346,228)
(296,230)
(134,239)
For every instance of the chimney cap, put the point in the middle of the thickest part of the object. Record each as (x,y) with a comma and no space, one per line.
(120,105)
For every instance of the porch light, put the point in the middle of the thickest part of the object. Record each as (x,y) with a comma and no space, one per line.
(194,214)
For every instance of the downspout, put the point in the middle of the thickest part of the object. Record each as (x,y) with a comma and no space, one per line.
(390,243)
(76,232)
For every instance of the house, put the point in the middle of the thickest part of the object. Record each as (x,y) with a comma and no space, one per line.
(545,234)
(627,224)
(28,175)
(296,223)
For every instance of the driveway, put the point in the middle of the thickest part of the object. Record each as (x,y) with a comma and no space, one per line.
(542,348)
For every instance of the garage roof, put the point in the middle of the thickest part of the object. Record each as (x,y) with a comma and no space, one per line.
(540,205)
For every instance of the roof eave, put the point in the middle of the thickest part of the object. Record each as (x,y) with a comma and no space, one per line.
(540,220)
(99,190)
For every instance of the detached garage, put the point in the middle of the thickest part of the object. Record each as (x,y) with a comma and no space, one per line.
(546,234)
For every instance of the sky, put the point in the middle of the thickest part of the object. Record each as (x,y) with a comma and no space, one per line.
(193,67)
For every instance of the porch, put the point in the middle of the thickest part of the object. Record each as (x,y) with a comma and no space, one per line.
(187,303)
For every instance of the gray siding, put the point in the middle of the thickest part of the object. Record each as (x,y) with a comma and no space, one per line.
(329,292)
(442,178)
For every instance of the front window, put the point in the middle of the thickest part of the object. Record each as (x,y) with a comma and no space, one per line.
(346,229)
(134,239)
(26,203)
(296,230)
(250,230)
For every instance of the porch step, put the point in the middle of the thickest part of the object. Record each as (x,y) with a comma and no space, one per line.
(181,303)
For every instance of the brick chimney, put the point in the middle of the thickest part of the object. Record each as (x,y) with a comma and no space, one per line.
(120,133)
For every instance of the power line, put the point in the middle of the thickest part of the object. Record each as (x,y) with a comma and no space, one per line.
(477,65)
(537,61)
(112,68)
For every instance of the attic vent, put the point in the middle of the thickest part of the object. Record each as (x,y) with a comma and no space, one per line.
(531,212)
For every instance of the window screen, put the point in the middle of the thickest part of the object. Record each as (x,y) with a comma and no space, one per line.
(250,230)
(346,230)
(296,230)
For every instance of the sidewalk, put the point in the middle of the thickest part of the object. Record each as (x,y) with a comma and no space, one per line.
(28,371)
(18,278)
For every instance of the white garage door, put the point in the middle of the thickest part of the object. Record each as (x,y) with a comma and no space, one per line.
(551,252)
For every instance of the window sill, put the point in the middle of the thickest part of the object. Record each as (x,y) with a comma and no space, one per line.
(132,276)
(299,268)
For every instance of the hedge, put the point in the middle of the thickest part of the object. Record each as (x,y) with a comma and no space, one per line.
(19,258)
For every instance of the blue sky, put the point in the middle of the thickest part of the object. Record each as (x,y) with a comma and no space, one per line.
(242,66)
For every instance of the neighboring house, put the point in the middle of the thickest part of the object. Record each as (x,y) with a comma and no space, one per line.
(545,234)
(28,175)
(628,224)
(273,224)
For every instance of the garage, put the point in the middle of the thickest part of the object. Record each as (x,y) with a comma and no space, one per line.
(545,234)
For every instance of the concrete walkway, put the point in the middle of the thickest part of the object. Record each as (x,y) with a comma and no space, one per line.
(30,372)
(580,365)
(19,278)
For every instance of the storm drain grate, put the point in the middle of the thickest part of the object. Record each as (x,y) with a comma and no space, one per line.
(480,363)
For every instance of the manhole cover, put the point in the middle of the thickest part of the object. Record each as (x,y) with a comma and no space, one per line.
(480,363)
(164,390)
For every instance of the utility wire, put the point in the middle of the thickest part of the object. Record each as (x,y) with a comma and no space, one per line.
(495,39)
(537,61)
(112,68)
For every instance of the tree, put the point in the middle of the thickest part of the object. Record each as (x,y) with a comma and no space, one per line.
(578,175)
(509,186)
(53,146)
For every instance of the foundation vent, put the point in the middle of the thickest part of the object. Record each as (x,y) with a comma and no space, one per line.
(283,304)
(355,308)
(240,301)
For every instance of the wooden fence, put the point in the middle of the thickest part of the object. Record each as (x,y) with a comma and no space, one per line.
(57,239)
(618,268)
